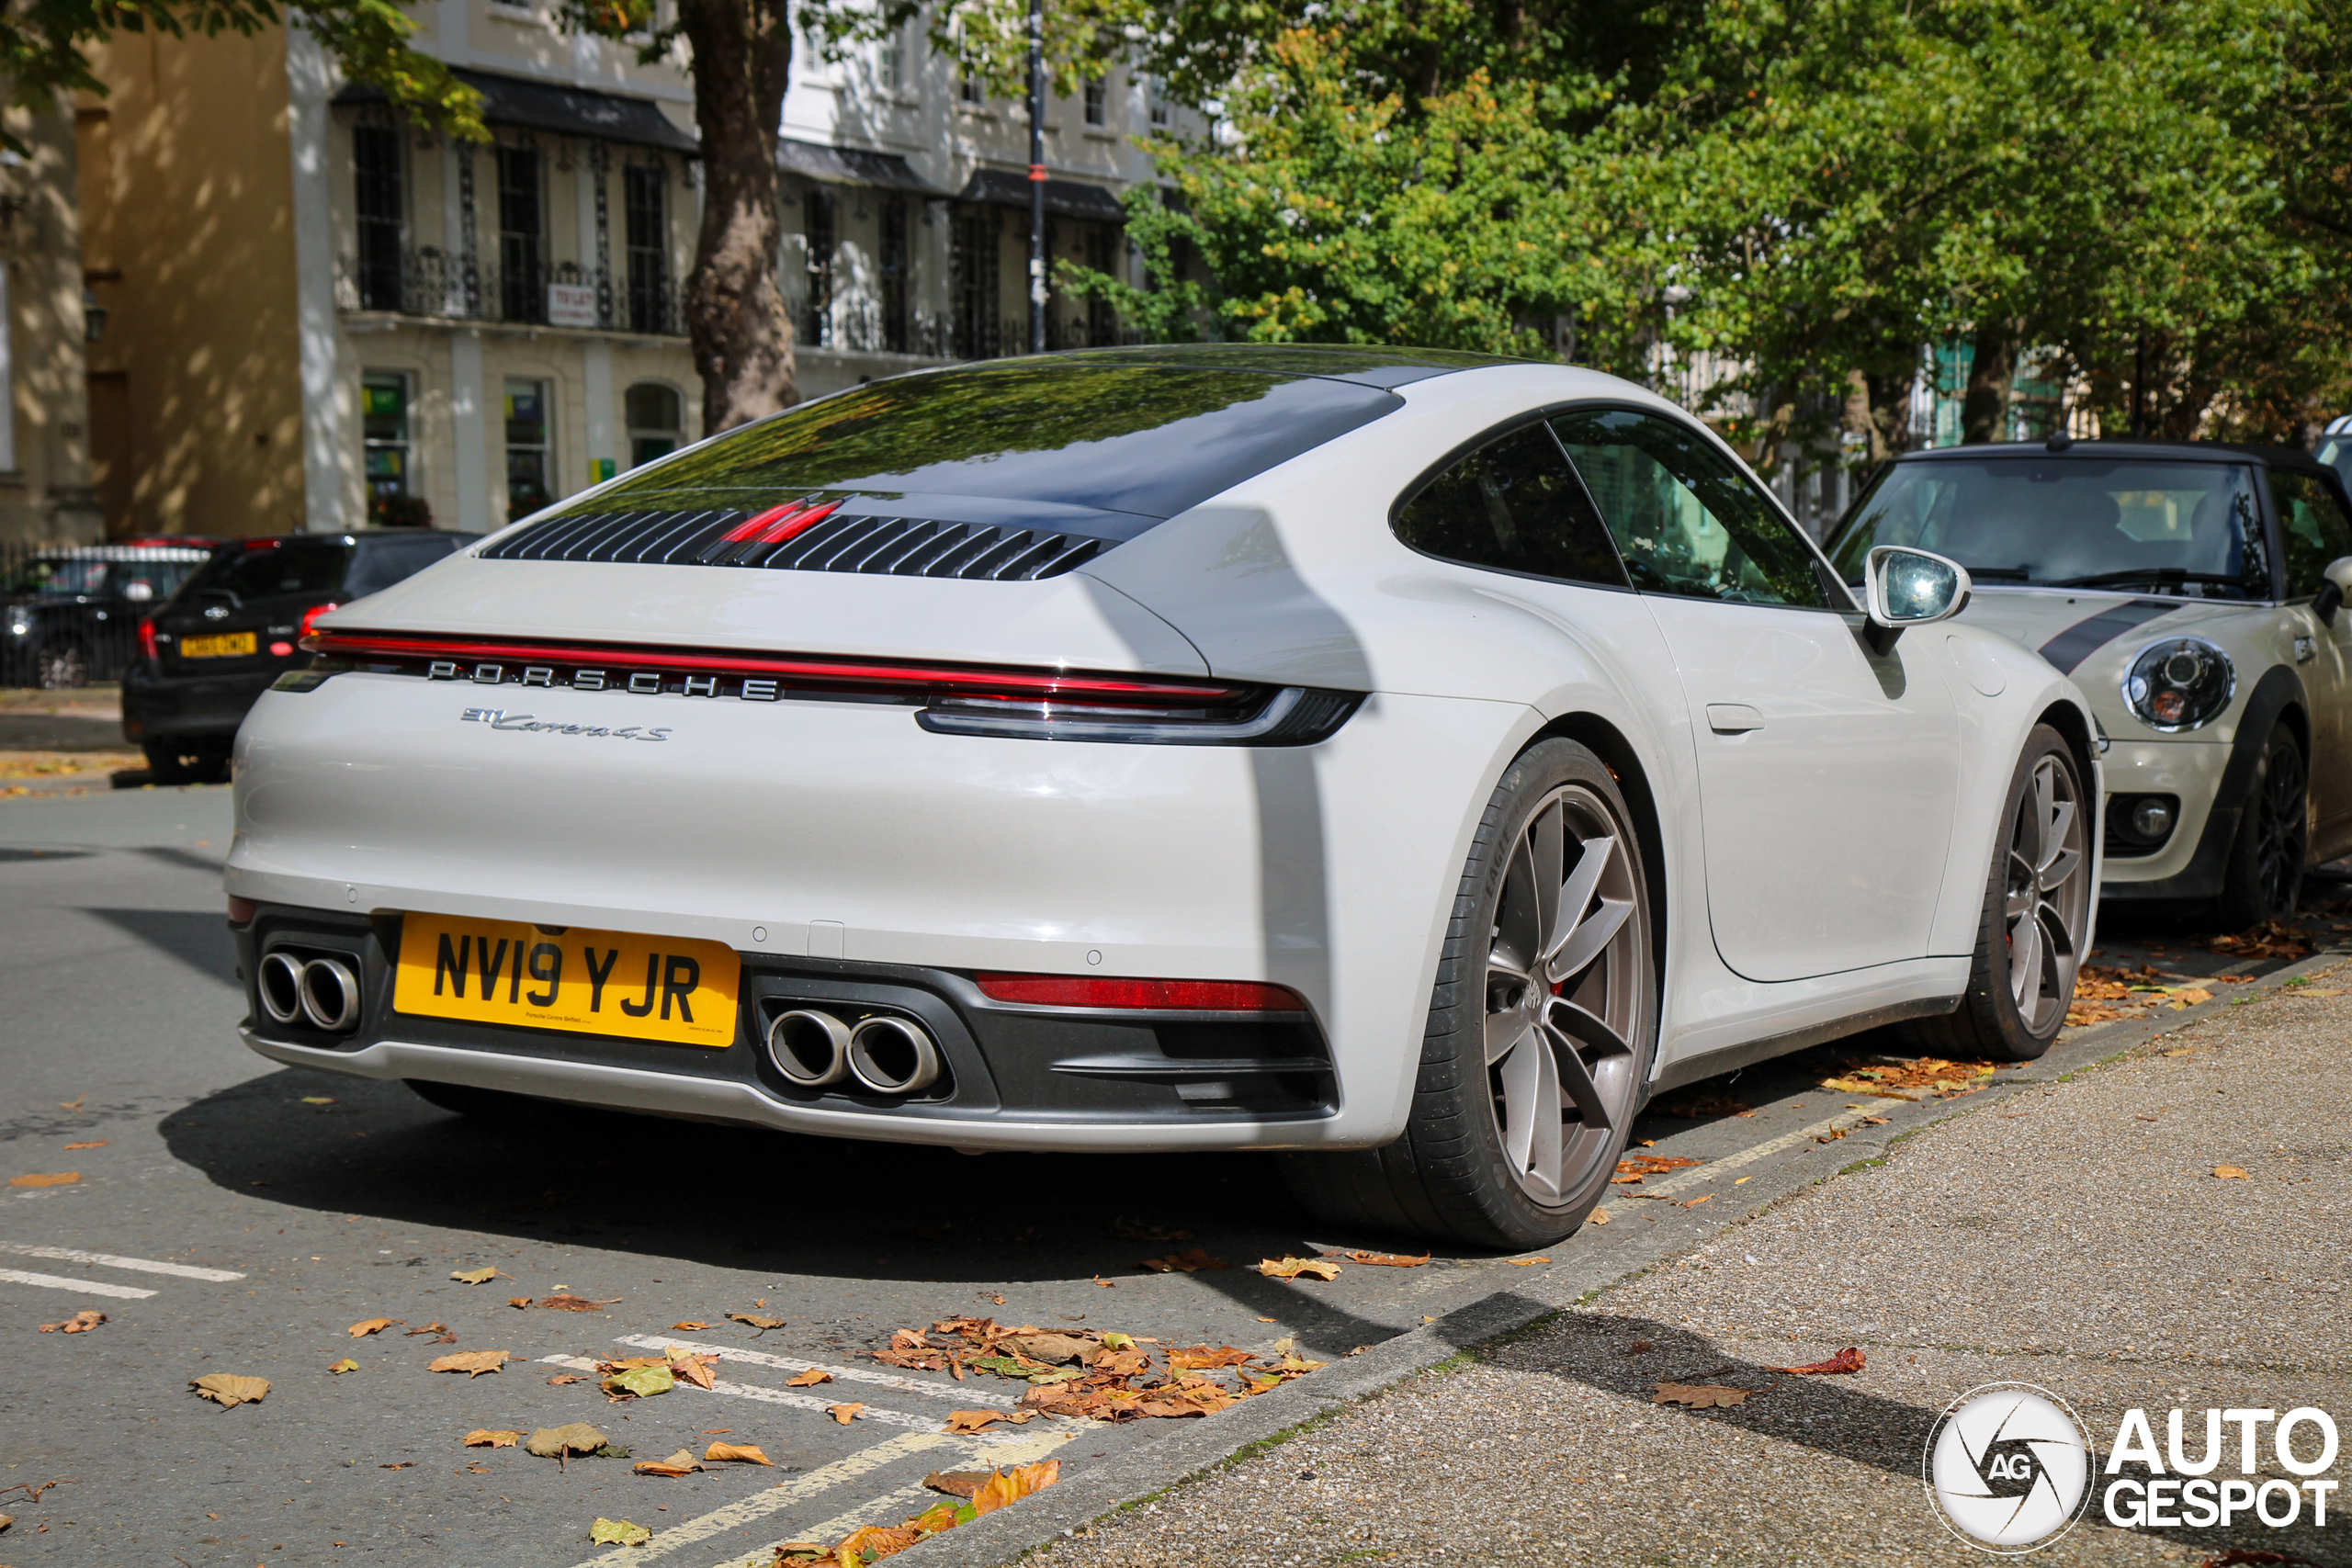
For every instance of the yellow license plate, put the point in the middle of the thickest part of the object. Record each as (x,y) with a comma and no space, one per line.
(220,645)
(507,972)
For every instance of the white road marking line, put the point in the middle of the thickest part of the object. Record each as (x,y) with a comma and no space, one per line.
(1715,1168)
(963,1394)
(87,1287)
(783,1495)
(142,1265)
(799,1401)
(894,1507)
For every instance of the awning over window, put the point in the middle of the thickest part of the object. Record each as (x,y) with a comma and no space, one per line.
(564,110)
(1064,199)
(849,166)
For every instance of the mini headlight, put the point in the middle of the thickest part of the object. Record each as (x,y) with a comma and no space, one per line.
(2179,683)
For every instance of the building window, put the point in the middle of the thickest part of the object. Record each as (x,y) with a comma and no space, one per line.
(376,165)
(1155,100)
(522,223)
(897,276)
(969,87)
(656,416)
(387,440)
(816,327)
(648,247)
(975,256)
(891,65)
(1098,101)
(529,458)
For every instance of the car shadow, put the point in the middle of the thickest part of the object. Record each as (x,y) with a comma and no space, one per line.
(751,1200)
(200,940)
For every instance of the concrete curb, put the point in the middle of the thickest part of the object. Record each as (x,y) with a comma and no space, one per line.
(1195,1447)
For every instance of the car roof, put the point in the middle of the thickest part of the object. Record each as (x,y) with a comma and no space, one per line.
(1365,365)
(2135,451)
(349,537)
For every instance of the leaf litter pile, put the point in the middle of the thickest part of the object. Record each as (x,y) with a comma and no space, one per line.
(1927,1078)
(1099,1376)
(979,1492)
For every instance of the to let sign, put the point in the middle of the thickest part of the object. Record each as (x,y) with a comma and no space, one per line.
(571,305)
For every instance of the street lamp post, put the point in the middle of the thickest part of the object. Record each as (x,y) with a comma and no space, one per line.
(1036,177)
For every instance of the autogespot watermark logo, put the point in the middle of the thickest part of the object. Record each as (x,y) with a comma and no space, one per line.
(2008,1467)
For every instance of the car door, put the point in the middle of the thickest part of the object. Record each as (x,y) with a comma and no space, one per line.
(2312,531)
(1827,773)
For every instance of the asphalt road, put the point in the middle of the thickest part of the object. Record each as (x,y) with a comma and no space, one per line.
(230,1215)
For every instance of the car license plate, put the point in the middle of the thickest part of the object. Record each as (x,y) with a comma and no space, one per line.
(527,976)
(218,645)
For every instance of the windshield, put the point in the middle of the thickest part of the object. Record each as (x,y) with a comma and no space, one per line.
(2190,529)
(60,577)
(269,570)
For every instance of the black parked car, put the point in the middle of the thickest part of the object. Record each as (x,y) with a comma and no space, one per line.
(234,627)
(73,612)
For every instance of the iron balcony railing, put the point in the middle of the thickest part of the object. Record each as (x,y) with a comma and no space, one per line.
(430,282)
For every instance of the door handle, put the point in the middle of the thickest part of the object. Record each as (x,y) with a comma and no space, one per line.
(1733,718)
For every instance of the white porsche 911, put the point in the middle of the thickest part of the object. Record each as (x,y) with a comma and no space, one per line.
(2192,588)
(1409,760)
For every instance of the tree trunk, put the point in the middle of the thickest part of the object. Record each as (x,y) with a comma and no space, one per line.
(742,337)
(1878,409)
(1984,407)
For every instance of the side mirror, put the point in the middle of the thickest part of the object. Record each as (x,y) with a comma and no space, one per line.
(1911,588)
(2332,592)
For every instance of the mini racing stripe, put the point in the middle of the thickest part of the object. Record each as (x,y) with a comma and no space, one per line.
(2083,639)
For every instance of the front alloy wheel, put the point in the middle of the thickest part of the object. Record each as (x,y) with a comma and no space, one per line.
(1541,1025)
(2265,874)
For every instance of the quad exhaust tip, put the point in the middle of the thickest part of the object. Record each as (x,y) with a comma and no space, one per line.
(884,1054)
(320,992)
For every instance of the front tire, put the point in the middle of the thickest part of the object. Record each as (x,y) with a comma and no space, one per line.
(1540,1031)
(2037,908)
(2265,875)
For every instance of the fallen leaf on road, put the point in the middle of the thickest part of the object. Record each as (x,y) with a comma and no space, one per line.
(473,1363)
(483,1438)
(72,1104)
(228,1389)
(872,1543)
(1709,1197)
(1200,1358)
(1386,1259)
(957,1483)
(475,1276)
(1599,1216)
(1831,1136)
(1634,1167)
(1012,1485)
(2271,938)
(618,1532)
(679,1463)
(1292,1267)
(366,1326)
(696,1369)
(844,1413)
(1699,1397)
(80,1322)
(2232,1173)
(562,1378)
(346,1365)
(1192,1260)
(1107,1284)
(1054,1350)
(6,1519)
(54,1178)
(518,1302)
(756,1321)
(639,1382)
(555,1442)
(318,1099)
(1525,1262)
(738,1453)
(1850,1360)
(975,1420)
(809,1379)
(93,1143)
(688,1328)
(1640,1348)
(575,1303)
(428,1328)
(404,1464)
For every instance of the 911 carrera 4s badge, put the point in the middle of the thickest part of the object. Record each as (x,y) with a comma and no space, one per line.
(506,971)
(499,718)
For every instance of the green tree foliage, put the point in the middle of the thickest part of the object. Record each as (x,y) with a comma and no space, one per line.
(1785,200)
(43,47)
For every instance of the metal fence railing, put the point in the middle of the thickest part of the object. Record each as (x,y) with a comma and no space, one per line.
(71,613)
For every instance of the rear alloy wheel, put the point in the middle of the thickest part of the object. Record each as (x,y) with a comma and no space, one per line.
(2265,877)
(2037,908)
(1539,1029)
(62,666)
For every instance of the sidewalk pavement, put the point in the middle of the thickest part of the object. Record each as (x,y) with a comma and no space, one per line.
(2071,1236)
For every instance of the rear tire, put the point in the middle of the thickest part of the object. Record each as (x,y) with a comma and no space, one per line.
(1540,1031)
(62,666)
(2037,908)
(168,764)
(483,1104)
(2265,874)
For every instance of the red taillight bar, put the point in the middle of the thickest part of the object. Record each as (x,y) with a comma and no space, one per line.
(1030,683)
(1165,995)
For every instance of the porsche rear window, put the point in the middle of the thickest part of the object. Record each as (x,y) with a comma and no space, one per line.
(1141,439)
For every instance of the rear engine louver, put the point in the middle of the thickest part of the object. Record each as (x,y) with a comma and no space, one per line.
(803,539)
